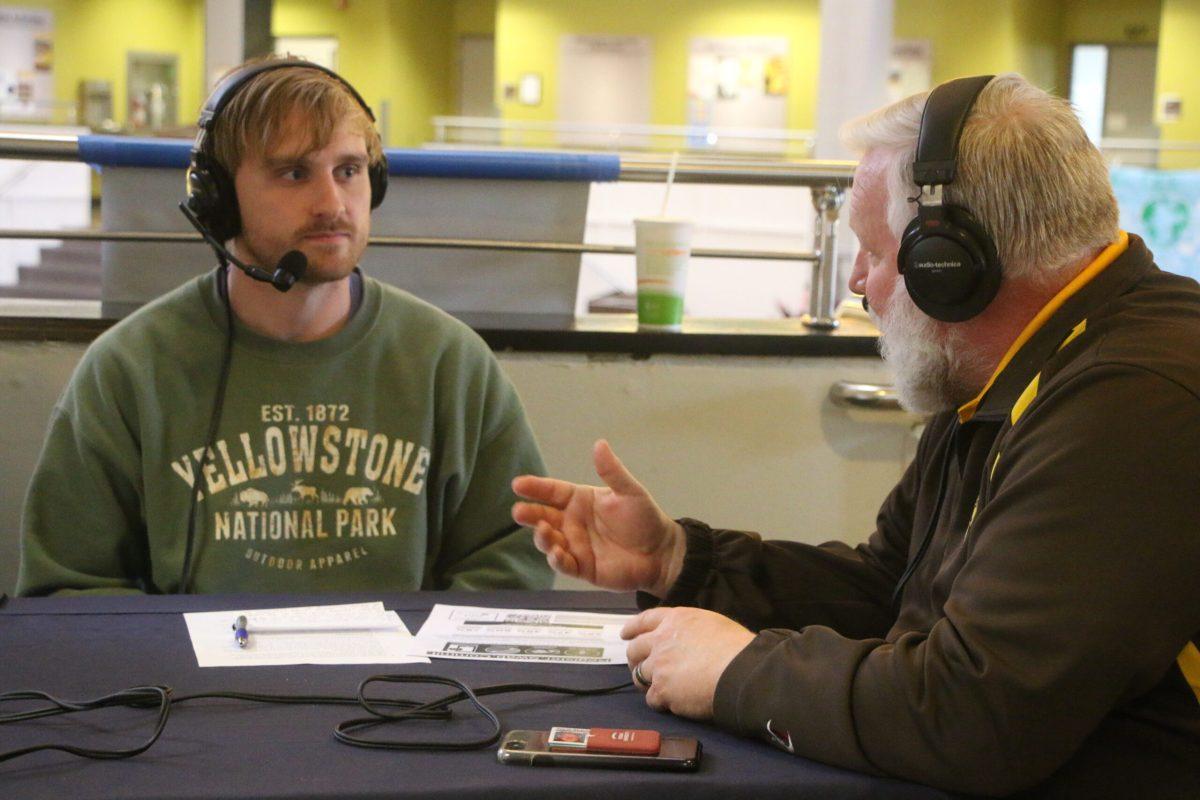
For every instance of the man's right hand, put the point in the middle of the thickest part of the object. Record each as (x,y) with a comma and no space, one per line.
(614,536)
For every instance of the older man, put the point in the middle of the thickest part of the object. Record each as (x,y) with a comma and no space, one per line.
(1026,613)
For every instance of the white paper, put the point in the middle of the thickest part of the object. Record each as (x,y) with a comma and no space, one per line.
(508,634)
(353,633)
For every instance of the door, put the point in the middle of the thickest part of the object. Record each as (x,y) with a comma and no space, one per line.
(604,83)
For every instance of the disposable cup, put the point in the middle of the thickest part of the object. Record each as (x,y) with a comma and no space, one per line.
(663,246)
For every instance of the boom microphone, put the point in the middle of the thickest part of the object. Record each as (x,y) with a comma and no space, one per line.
(291,266)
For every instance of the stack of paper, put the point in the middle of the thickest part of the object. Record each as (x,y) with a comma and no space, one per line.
(518,634)
(354,633)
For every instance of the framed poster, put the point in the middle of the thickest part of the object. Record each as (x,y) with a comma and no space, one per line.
(736,82)
(26,63)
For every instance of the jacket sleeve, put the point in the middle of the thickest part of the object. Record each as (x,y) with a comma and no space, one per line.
(765,584)
(479,545)
(82,527)
(1078,592)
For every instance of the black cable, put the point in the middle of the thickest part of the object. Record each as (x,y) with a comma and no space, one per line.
(380,709)
(343,731)
(136,697)
(947,457)
(381,717)
(214,424)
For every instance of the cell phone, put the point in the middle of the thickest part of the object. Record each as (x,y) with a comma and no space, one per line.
(533,749)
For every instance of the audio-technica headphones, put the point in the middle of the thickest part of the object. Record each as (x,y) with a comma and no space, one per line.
(948,260)
(211,196)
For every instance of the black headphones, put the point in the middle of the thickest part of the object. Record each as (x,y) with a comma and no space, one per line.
(948,261)
(211,196)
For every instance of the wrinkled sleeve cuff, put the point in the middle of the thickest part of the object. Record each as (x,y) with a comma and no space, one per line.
(697,564)
(737,678)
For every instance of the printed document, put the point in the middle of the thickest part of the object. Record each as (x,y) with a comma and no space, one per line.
(504,634)
(353,633)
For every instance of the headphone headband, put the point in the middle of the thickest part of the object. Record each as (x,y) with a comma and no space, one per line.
(942,122)
(229,86)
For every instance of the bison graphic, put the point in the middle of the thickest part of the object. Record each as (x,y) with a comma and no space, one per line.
(253,497)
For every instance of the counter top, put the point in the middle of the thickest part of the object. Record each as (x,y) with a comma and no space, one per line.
(82,321)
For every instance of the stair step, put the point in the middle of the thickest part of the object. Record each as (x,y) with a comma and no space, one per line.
(90,273)
(52,292)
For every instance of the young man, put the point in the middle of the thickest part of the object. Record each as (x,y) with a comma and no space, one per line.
(1025,617)
(340,435)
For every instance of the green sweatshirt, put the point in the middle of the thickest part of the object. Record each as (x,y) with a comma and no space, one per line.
(377,458)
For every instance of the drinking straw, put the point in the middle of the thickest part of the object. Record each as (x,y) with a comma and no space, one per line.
(670,180)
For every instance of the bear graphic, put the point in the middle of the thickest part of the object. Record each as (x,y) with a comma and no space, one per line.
(358,495)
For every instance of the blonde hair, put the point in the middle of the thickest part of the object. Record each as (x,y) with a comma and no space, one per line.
(1026,170)
(259,112)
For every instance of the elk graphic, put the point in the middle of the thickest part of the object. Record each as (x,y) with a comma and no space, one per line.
(305,493)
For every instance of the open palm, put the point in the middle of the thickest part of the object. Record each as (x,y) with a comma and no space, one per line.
(614,536)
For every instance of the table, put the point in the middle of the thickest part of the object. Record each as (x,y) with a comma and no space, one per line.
(81,647)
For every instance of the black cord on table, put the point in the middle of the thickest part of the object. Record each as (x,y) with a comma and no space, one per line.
(383,711)
(136,697)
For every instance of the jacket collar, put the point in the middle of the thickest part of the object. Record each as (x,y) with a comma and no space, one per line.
(1111,273)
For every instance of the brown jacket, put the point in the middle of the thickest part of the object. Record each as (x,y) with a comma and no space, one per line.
(1046,639)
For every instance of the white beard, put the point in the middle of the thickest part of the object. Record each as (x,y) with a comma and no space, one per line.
(928,362)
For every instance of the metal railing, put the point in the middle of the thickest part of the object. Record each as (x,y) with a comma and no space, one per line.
(1150,152)
(828,181)
(625,137)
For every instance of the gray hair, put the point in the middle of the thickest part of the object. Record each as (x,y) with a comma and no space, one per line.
(1026,170)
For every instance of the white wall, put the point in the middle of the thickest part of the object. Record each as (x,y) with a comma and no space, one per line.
(737,441)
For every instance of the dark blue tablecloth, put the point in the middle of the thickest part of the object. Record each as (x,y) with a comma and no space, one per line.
(84,647)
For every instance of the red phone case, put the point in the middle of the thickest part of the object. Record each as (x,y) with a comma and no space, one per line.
(627,741)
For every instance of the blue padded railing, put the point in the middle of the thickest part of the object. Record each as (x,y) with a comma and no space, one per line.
(127,151)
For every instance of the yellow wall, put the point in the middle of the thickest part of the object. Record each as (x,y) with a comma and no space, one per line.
(93,37)
(394,51)
(528,34)
(972,37)
(1179,73)
(1037,35)
(980,37)
(1110,21)
(474,17)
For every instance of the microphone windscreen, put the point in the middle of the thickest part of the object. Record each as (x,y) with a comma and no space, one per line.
(293,262)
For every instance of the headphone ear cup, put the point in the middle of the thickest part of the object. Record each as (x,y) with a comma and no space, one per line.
(227,217)
(378,174)
(949,264)
(212,198)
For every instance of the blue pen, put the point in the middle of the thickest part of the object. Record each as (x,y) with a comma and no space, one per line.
(239,631)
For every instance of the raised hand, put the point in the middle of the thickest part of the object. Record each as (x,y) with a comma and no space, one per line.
(614,536)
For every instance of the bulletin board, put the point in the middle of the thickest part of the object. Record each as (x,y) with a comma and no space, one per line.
(26,63)
(738,82)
